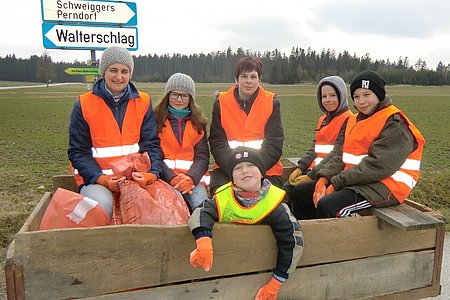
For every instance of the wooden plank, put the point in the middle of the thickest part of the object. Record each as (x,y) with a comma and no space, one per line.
(66,182)
(34,220)
(406,217)
(67,263)
(357,279)
(9,272)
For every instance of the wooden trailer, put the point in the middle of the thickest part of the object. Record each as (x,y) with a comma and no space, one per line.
(390,253)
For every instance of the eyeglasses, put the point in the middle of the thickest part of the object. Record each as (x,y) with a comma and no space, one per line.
(175,95)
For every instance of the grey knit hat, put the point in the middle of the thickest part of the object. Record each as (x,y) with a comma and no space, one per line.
(180,81)
(114,55)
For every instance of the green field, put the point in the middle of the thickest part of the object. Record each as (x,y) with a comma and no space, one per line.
(34,124)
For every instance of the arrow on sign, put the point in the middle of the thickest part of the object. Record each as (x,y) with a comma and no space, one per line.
(82,71)
(88,37)
(98,12)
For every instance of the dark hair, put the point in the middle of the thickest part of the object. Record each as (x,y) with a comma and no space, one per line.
(162,111)
(248,64)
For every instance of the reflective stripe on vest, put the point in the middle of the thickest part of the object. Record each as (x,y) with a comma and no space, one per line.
(81,209)
(360,135)
(409,164)
(180,158)
(229,210)
(241,128)
(326,136)
(256,144)
(106,171)
(115,151)
(178,164)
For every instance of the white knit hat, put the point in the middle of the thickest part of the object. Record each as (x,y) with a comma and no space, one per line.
(180,81)
(114,55)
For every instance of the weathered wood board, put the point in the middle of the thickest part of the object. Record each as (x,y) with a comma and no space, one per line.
(348,258)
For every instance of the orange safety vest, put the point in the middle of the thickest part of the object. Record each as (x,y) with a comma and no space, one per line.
(178,157)
(108,142)
(326,136)
(360,135)
(229,209)
(247,130)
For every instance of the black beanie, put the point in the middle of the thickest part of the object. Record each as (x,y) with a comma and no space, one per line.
(369,80)
(241,154)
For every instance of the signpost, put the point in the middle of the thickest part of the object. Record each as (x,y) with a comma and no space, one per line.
(91,12)
(89,24)
(70,36)
(82,71)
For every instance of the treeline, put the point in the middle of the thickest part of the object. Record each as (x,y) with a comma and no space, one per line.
(300,66)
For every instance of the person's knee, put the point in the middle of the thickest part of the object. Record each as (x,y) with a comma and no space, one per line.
(101,194)
(325,208)
(199,194)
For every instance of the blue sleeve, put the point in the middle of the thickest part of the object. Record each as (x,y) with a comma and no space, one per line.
(80,146)
(150,142)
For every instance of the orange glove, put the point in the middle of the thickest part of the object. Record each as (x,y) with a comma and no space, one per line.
(330,190)
(143,178)
(269,291)
(203,255)
(142,163)
(110,181)
(183,183)
(320,190)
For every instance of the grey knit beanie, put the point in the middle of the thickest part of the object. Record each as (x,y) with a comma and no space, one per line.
(114,55)
(180,81)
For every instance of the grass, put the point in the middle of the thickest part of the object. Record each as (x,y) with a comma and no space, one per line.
(34,125)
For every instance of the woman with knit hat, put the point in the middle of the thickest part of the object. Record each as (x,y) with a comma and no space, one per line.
(182,130)
(111,121)
(249,198)
(378,164)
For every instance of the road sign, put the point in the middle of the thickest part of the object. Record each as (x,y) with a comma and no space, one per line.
(82,71)
(69,36)
(93,12)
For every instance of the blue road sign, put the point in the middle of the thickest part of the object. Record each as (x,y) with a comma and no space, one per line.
(81,36)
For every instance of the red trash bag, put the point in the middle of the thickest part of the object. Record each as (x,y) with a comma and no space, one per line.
(158,204)
(68,209)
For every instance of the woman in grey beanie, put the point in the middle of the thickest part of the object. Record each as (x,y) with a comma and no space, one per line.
(109,122)
(182,130)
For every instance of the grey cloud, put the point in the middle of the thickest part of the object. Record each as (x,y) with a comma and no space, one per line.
(255,34)
(395,18)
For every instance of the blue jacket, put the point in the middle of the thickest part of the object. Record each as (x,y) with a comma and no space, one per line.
(80,144)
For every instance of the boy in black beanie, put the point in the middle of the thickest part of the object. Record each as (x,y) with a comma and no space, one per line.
(249,199)
(378,165)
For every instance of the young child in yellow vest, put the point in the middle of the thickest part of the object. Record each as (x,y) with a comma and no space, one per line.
(249,199)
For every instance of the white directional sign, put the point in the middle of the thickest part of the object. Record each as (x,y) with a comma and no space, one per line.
(71,36)
(94,12)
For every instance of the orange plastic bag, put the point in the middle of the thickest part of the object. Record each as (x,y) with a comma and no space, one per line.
(68,209)
(135,162)
(158,204)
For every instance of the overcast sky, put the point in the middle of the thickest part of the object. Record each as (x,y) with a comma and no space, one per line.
(384,29)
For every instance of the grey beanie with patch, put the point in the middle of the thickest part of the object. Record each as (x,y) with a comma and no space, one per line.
(116,55)
(180,81)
